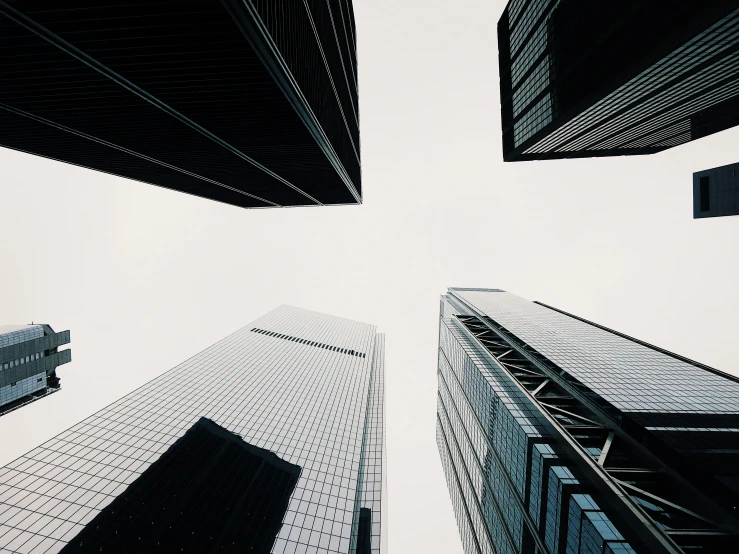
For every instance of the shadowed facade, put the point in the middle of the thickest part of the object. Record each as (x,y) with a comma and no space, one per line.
(209,492)
(614,78)
(248,102)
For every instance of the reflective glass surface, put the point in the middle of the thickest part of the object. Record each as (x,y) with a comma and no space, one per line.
(630,376)
(318,408)
(510,487)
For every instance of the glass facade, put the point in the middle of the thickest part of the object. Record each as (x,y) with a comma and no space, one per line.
(602,79)
(28,360)
(553,434)
(287,383)
(254,104)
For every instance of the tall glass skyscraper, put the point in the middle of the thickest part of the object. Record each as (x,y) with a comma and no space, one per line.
(271,440)
(558,435)
(29,356)
(581,78)
(249,102)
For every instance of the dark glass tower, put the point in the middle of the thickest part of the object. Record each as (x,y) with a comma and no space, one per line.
(619,77)
(29,356)
(248,102)
(559,436)
(271,440)
(716,192)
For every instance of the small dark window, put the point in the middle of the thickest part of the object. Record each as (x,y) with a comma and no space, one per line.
(39,380)
(705,194)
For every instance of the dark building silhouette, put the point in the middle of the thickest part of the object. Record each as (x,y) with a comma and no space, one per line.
(716,192)
(29,356)
(252,103)
(209,492)
(618,77)
(558,435)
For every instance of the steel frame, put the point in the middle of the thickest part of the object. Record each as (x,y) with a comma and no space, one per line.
(636,485)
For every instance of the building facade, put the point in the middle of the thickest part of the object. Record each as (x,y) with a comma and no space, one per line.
(558,435)
(252,103)
(716,192)
(624,77)
(29,356)
(269,440)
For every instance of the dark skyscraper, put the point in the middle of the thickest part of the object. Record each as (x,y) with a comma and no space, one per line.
(271,440)
(28,361)
(580,78)
(248,102)
(558,435)
(716,192)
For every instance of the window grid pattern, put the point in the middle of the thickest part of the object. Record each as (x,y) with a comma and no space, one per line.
(589,531)
(521,28)
(306,405)
(534,120)
(711,43)
(629,376)
(535,83)
(482,413)
(540,453)
(532,26)
(514,7)
(24,387)
(370,491)
(560,477)
(533,50)
(18,334)
(461,511)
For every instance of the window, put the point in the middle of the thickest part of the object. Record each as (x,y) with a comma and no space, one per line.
(705,194)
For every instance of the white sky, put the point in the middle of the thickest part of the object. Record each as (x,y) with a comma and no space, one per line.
(145,277)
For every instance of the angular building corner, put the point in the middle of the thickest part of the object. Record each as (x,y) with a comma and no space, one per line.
(269,441)
(29,356)
(584,79)
(558,435)
(244,102)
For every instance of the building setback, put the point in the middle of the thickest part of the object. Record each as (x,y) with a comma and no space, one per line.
(623,77)
(271,440)
(29,357)
(558,435)
(249,103)
(716,192)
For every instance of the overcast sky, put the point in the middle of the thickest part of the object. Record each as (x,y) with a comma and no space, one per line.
(145,277)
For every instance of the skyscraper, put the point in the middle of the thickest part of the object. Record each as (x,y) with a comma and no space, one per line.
(716,192)
(271,440)
(582,79)
(559,435)
(248,102)
(29,357)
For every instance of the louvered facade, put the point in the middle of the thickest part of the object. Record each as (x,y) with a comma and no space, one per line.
(622,77)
